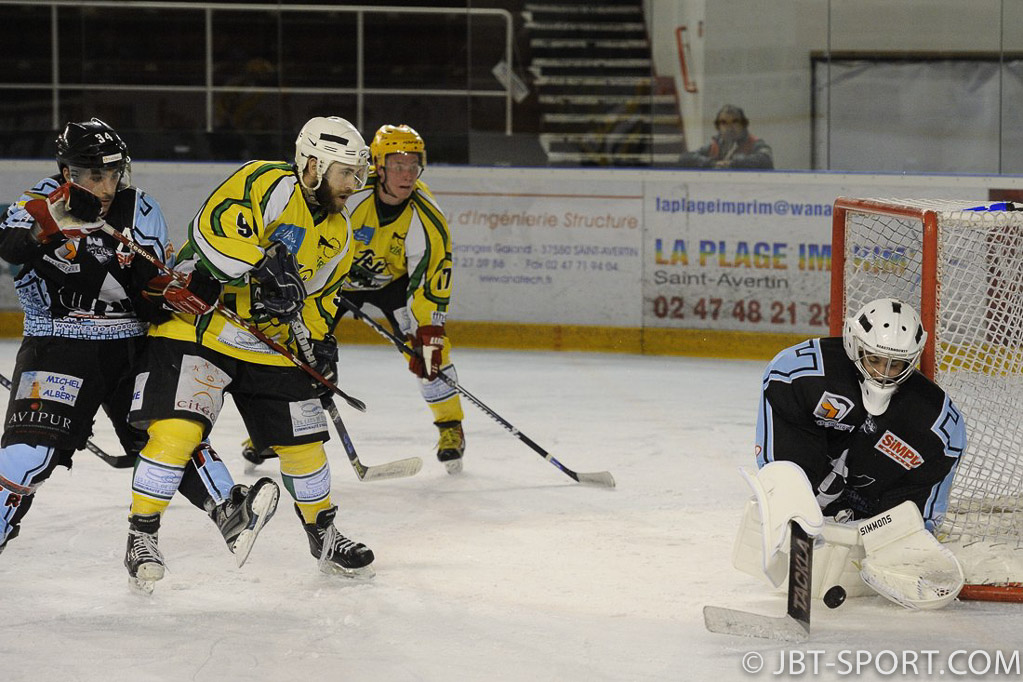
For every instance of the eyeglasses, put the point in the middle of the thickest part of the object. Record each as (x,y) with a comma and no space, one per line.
(727,121)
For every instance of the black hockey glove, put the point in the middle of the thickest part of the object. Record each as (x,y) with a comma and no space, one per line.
(325,362)
(277,288)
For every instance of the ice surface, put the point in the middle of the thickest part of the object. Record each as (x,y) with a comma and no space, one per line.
(510,571)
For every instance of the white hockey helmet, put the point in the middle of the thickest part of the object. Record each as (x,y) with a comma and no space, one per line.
(884,339)
(330,139)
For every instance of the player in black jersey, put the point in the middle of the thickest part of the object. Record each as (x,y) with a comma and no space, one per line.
(861,449)
(85,323)
(868,429)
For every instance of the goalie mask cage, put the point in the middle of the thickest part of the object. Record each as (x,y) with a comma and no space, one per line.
(963,271)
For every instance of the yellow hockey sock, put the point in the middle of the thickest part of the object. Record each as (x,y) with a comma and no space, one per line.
(161,464)
(306,475)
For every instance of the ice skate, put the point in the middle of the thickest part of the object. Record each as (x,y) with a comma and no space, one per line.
(336,554)
(451,446)
(253,456)
(244,513)
(142,558)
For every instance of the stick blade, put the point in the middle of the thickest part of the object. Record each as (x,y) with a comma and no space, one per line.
(399,468)
(599,478)
(745,624)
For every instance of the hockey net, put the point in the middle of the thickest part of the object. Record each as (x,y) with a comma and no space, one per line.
(963,271)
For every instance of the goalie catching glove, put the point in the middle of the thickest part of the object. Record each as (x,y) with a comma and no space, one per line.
(193,293)
(277,288)
(70,211)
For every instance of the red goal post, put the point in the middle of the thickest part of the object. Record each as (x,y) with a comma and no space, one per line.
(960,264)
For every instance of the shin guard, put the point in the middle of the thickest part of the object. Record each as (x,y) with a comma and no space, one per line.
(306,475)
(207,481)
(23,468)
(161,464)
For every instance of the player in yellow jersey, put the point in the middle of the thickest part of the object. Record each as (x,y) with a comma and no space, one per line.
(402,265)
(271,244)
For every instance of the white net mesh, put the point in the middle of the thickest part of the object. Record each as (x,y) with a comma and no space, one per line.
(978,356)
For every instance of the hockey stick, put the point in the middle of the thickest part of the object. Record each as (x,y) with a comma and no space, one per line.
(116,461)
(239,322)
(601,478)
(794,626)
(396,469)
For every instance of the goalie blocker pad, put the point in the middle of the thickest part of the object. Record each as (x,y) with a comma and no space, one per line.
(905,563)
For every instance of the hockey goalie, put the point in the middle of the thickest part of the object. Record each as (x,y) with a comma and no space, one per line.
(861,449)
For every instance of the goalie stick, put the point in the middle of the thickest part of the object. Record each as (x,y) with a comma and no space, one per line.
(600,478)
(376,472)
(794,626)
(237,320)
(116,461)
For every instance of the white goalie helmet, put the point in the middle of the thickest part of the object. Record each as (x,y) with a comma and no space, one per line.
(884,339)
(329,139)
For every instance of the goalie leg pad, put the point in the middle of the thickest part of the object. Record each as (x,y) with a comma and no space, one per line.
(836,557)
(781,492)
(904,563)
(836,561)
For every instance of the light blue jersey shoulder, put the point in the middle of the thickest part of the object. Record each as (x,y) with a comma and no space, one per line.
(801,360)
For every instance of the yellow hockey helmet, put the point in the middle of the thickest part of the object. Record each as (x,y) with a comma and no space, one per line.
(399,139)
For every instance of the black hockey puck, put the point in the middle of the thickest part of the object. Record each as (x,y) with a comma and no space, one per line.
(834,597)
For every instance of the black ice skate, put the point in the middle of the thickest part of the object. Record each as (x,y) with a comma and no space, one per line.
(143,558)
(337,554)
(250,454)
(244,513)
(451,446)
(10,536)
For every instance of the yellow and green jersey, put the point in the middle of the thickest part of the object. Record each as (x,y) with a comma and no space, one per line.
(411,239)
(261,203)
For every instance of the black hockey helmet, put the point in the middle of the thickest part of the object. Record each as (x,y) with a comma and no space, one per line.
(92,144)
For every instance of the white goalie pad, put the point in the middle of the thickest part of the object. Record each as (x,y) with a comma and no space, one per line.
(781,492)
(836,557)
(904,563)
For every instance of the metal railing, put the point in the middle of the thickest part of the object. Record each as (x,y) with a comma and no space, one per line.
(210,89)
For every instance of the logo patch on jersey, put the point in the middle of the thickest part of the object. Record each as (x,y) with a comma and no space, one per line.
(364,234)
(290,235)
(61,265)
(869,425)
(307,417)
(831,409)
(200,387)
(124,256)
(98,249)
(896,448)
(242,340)
(140,390)
(62,388)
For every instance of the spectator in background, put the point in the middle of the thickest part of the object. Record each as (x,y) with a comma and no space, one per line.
(733,146)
